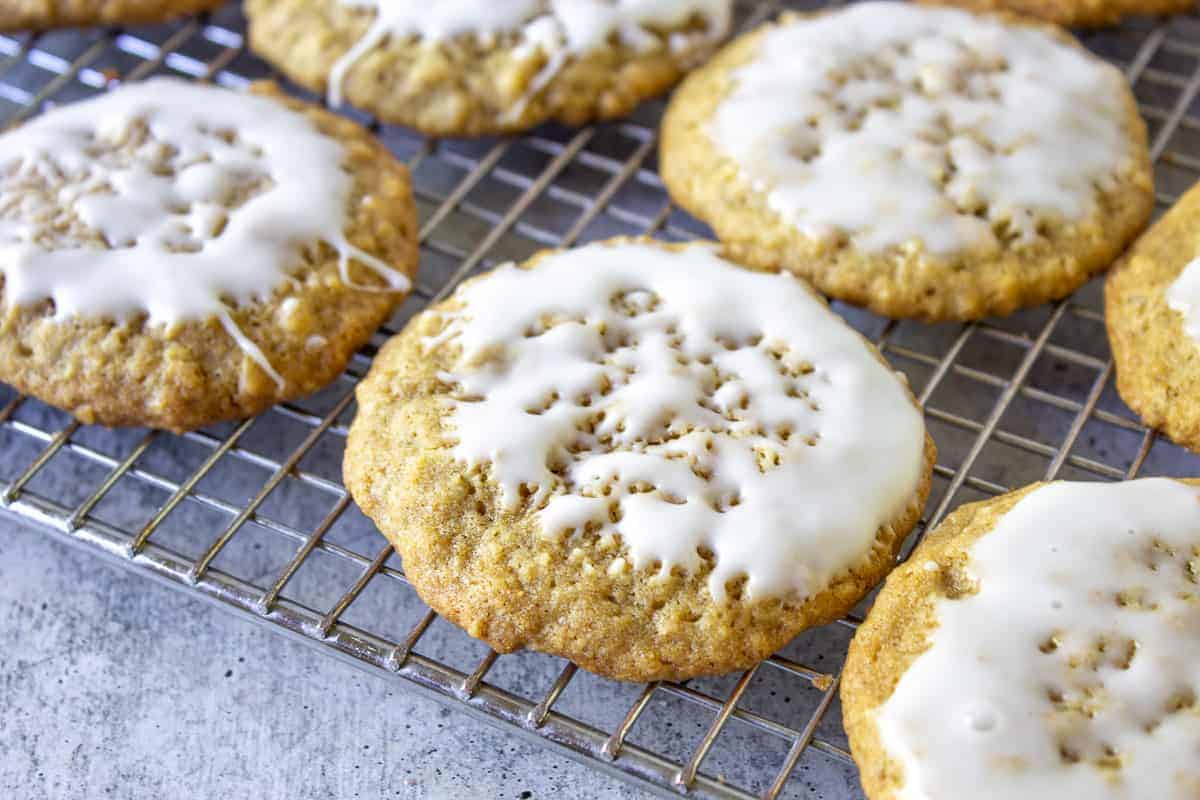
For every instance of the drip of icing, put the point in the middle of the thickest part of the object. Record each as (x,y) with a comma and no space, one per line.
(168,243)
(765,431)
(898,125)
(1183,296)
(249,347)
(1072,671)
(559,29)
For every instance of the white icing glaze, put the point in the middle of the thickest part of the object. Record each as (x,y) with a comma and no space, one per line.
(1183,295)
(730,411)
(558,29)
(1073,565)
(894,124)
(174,249)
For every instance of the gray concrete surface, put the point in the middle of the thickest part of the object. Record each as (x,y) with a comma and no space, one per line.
(103,694)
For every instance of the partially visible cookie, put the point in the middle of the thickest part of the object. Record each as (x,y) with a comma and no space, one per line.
(44,14)
(1152,305)
(176,254)
(1040,644)
(598,455)
(469,68)
(1081,13)
(918,161)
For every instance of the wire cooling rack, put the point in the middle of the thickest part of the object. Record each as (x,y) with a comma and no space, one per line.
(254,516)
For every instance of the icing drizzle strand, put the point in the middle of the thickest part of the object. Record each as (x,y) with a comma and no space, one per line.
(558,29)
(619,391)
(170,199)
(893,125)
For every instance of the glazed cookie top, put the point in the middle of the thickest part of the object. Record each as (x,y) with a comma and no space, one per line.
(1069,667)
(1183,295)
(169,199)
(618,389)
(893,125)
(557,29)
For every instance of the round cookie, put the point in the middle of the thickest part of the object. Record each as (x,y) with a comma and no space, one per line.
(470,67)
(913,160)
(1152,305)
(1039,644)
(176,254)
(44,14)
(597,455)
(1076,13)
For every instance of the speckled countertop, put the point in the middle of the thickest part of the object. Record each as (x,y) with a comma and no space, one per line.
(104,694)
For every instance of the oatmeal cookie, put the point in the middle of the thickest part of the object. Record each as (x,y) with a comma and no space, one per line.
(913,160)
(1039,644)
(1076,13)
(470,68)
(596,455)
(1152,304)
(43,14)
(176,254)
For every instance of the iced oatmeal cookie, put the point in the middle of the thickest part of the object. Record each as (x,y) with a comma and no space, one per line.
(597,455)
(1152,305)
(1076,13)
(43,14)
(175,254)
(469,67)
(918,161)
(1040,644)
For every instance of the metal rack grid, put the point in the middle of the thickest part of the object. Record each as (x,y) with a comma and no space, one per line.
(254,517)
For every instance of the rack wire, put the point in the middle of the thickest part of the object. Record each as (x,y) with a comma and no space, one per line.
(253,515)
